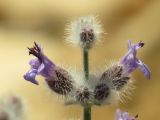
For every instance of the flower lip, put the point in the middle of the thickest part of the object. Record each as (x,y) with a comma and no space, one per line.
(30,76)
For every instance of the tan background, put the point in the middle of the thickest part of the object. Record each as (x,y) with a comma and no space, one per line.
(25,21)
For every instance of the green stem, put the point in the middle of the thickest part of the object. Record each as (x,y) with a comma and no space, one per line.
(87,109)
(86,64)
(87,113)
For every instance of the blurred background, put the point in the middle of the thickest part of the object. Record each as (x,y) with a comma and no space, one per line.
(44,21)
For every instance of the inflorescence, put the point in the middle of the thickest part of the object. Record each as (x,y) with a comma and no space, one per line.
(85,32)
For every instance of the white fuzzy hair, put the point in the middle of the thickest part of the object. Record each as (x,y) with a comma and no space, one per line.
(75,28)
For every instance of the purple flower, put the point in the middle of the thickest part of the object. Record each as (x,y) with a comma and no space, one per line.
(57,79)
(124,115)
(39,66)
(131,62)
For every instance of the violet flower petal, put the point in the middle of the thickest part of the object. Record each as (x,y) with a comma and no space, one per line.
(130,62)
(39,66)
(118,114)
(34,63)
(30,76)
(123,115)
(144,68)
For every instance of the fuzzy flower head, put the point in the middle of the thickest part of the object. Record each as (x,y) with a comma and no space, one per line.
(84,31)
(11,108)
(124,115)
(131,62)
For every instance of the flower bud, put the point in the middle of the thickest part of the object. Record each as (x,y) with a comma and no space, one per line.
(84,31)
(61,83)
(84,95)
(101,92)
(114,75)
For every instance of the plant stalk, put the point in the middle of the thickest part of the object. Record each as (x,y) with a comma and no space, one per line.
(87,109)
(86,64)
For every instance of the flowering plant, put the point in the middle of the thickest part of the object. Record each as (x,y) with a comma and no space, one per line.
(92,90)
